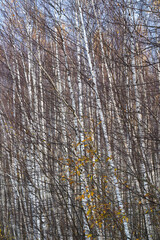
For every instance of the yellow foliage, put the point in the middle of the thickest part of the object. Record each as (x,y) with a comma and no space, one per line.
(147,194)
(89,235)
(88,212)
(107,159)
(92,225)
(82,196)
(99,224)
(71,182)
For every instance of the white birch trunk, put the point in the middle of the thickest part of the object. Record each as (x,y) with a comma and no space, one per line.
(114,179)
(140,128)
(73,103)
(62,111)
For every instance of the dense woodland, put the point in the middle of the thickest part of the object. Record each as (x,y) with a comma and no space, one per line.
(79,119)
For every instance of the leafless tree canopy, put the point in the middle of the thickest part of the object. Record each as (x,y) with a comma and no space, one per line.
(79,119)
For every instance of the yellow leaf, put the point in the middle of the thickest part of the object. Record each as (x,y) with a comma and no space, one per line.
(71,182)
(107,159)
(82,196)
(88,212)
(89,235)
(92,225)
(100,225)
(99,123)
(146,195)
(126,219)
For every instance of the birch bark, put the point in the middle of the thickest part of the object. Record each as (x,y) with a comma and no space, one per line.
(103,125)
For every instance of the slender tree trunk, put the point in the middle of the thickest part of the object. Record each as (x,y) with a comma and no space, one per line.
(114,179)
